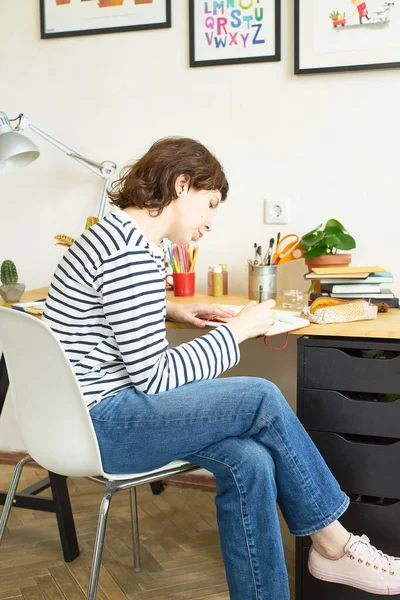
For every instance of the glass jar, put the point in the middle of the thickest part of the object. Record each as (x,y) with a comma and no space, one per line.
(293,299)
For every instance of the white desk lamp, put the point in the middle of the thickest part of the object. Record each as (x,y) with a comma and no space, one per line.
(17,151)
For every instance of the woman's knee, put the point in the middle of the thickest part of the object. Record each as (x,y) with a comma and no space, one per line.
(237,455)
(262,398)
(258,386)
(242,467)
(272,401)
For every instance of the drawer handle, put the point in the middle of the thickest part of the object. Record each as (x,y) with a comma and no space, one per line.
(375,397)
(384,355)
(368,439)
(374,500)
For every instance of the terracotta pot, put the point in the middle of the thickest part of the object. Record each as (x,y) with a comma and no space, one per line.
(143,1)
(59,2)
(105,3)
(327,260)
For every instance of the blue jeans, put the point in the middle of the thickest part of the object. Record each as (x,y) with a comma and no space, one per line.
(242,430)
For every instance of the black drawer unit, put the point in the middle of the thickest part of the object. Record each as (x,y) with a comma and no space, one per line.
(328,410)
(369,469)
(346,400)
(342,369)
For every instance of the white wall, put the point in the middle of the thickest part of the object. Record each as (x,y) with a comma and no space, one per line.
(328,142)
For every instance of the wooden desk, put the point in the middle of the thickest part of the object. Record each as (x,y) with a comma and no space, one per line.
(386,326)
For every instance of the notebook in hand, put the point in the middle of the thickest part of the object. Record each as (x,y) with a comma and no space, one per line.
(285,321)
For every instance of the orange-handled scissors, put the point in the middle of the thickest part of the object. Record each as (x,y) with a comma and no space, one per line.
(287,249)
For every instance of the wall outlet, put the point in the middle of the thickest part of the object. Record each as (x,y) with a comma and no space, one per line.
(276,211)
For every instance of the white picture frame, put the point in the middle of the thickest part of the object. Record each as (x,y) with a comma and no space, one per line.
(65,18)
(358,35)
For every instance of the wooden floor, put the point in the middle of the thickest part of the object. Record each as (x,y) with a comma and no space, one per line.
(181,558)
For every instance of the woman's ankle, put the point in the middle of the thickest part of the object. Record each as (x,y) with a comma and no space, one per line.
(331,541)
(330,553)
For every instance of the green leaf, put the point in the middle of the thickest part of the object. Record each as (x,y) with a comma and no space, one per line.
(333,231)
(331,240)
(313,231)
(310,239)
(315,252)
(304,246)
(334,223)
(345,242)
(326,240)
(332,236)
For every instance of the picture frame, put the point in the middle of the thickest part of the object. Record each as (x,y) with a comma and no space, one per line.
(66,18)
(360,35)
(234,32)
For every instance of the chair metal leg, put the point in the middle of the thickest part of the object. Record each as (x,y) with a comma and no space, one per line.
(135,530)
(99,542)
(11,493)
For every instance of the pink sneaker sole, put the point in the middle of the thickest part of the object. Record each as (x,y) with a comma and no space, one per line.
(357,583)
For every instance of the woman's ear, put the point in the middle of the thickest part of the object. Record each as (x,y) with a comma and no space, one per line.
(182,184)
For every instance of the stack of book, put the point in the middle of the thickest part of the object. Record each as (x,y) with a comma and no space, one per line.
(351,283)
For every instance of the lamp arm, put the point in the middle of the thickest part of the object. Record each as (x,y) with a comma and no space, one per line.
(104,170)
(104,197)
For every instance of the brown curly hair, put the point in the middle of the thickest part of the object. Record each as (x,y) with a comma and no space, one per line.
(150,182)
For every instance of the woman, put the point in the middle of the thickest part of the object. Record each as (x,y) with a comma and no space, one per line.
(150,404)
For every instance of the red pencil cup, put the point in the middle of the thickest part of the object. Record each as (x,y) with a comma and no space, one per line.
(184,283)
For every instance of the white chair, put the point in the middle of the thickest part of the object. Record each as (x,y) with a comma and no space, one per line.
(55,425)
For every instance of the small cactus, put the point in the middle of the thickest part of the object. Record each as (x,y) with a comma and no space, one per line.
(8,273)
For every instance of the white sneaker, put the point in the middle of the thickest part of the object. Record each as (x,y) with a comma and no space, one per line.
(362,566)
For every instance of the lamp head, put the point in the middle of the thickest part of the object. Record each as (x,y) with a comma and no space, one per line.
(16,150)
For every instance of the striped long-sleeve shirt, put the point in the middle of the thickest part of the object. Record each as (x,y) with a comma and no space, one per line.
(107,306)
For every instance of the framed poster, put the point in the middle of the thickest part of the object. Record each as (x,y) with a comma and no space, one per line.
(348,35)
(64,18)
(234,31)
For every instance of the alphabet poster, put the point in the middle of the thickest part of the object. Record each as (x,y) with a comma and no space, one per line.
(234,31)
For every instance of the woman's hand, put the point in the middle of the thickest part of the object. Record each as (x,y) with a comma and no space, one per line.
(253,320)
(197,314)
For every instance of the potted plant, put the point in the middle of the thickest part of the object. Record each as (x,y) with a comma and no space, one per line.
(11,290)
(321,245)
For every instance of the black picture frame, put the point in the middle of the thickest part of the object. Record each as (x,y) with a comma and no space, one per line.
(45,33)
(300,66)
(269,57)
